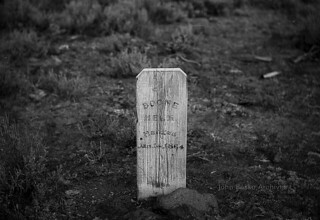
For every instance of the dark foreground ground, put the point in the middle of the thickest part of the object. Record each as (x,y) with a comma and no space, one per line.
(252,142)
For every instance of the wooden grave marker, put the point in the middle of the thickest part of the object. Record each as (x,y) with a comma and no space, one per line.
(161,131)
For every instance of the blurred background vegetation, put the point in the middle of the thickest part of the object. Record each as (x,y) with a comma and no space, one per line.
(28,28)
(105,17)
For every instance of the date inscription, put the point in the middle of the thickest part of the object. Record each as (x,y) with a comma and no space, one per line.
(161,133)
(165,146)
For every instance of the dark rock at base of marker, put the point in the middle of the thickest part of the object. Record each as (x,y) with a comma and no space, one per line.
(189,204)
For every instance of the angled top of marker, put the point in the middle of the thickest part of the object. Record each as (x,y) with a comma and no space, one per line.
(162,70)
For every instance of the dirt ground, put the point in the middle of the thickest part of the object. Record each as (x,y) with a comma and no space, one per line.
(253,142)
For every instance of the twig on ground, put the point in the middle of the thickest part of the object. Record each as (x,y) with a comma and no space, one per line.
(187,60)
(272,74)
(264,59)
(312,52)
(199,156)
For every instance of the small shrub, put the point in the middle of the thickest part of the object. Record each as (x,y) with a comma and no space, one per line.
(104,3)
(143,26)
(64,86)
(126,16)
(96,153)
(79,15)
(19,45)
(204,8)
(21,13)
(128,64)
(239,3)
(49,5)
(219,7)
(289,7)
(169,62)
(181,39)
(198,9)
(12,82)
(119,17)
(167,13)
(310,33)
(25,183)
(112,43)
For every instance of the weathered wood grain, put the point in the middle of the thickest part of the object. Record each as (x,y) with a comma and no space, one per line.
(161,131)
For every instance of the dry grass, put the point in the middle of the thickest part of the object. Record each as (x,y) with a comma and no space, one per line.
(130,63)
(64,86)
(25,182)
(19,45)
(101,138)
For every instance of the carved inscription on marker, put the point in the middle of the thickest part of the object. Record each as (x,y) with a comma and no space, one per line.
(153,103)
(161,131)
(158,118)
